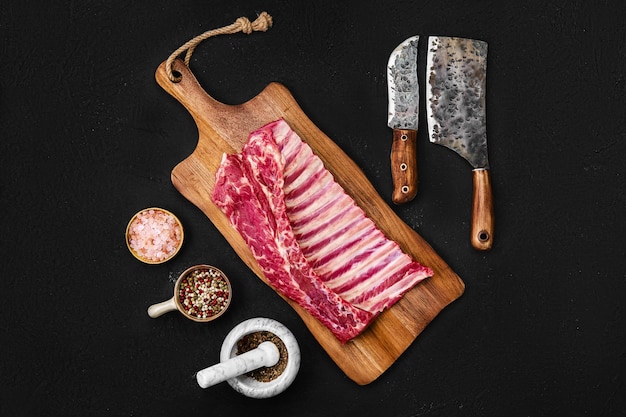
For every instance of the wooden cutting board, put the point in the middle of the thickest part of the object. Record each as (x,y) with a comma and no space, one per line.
(225,128)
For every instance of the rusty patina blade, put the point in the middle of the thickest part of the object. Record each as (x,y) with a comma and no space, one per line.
(455,97)
(403,86)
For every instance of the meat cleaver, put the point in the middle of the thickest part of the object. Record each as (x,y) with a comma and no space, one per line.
(402,117)
(455,109)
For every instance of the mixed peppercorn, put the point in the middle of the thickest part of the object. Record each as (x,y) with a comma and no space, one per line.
(204,293)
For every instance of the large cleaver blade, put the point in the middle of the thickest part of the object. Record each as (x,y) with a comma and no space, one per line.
(403,118)
(456,114)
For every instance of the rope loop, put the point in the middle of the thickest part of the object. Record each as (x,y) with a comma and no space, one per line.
(262,23)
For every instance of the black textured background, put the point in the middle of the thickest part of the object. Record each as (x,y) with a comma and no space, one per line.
(88,138)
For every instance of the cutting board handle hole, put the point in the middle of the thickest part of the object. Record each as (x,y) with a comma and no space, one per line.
(178,76)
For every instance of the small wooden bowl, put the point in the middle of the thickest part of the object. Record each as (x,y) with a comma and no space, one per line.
(174,303)
(150,260)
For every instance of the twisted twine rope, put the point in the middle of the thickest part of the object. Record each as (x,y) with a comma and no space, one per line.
(262,23)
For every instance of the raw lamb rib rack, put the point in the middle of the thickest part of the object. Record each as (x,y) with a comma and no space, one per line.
(312,242)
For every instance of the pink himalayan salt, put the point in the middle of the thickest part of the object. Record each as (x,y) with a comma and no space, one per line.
(154,235)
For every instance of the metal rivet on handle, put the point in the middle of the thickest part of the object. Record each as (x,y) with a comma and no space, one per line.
(403,167)
(405,189)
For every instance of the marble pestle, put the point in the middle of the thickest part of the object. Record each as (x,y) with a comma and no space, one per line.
(266,354)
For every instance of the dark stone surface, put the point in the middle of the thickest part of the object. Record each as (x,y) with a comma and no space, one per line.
(88,138)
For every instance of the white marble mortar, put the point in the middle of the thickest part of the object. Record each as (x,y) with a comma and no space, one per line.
(232,367)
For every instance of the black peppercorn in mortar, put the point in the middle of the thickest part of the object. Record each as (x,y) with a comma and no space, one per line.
(252,341)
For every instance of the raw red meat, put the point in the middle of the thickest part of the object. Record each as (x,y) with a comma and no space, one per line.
(313,243)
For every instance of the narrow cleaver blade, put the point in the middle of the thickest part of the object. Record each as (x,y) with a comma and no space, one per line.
(456,114)
(403,118)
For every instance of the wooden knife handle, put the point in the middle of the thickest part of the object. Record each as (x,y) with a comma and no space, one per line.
(482,210)
(404,165)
